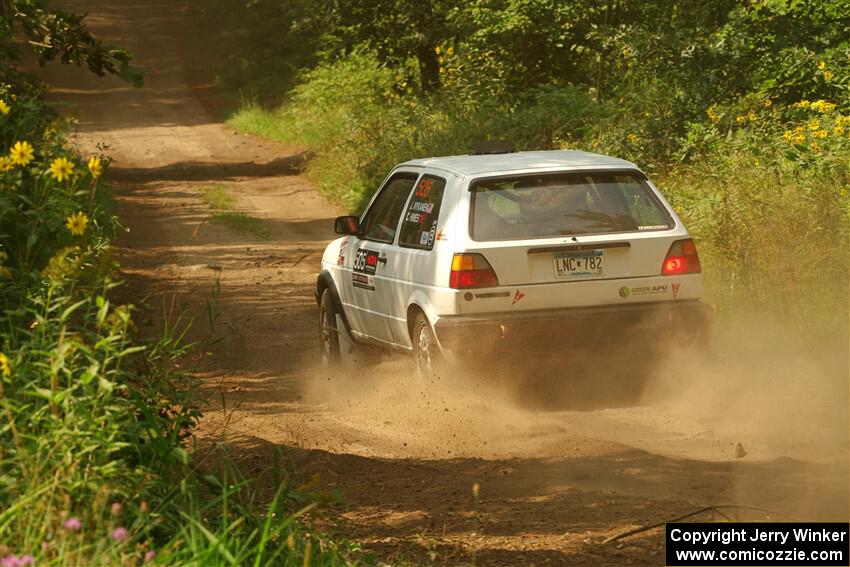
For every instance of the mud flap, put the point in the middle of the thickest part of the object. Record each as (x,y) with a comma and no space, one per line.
(347,346)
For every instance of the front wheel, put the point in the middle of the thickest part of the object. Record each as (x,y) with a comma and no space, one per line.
(427,358)
(328,332)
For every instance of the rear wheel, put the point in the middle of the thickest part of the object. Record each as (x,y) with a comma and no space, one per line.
(427,358)
(328,332)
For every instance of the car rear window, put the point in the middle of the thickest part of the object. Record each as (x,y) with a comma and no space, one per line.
(541,206)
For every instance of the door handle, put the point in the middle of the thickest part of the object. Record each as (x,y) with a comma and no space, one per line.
(382,259)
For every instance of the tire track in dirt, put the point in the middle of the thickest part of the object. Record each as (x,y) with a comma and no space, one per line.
(552,485)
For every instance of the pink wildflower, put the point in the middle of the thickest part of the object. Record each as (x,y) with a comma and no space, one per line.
(116,508)
(149,556)
(15,561)
(73,524)
(119,534)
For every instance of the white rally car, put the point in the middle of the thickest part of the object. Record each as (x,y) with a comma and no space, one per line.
(470,256)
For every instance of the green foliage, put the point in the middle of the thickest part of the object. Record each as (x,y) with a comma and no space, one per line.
(42,186)
(56,35)
(361,121)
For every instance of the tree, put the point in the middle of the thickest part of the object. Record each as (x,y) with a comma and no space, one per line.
(56,35)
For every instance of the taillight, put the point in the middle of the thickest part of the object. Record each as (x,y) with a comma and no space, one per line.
(682,258)
(471,270)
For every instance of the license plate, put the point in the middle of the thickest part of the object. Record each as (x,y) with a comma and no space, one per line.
(584,264)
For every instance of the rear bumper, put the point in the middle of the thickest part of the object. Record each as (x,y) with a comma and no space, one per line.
(688,320)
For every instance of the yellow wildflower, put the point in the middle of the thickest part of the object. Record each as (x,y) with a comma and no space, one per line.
(633,138)
(450,51)
(820,134)
(842,120)
(799,138)
(711,112)
(803,104)
(823,106)
(22,153)
(740,119)
(814,125)
(5,367)
(787,135)
(4,108)
(76,223)
(96,167)
(442,70)
(751,116)
(822,65)
(767,103)
(6,163)
(815,146)
(827,76)
(61,169)
(838,130)
(437,50)
(625,52)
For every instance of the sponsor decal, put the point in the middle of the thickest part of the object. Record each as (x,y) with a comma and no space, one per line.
(517,296)
(626,291)
(363,281)
(493,294)
(365,265)
(675,288)
(340,260)
(440,236)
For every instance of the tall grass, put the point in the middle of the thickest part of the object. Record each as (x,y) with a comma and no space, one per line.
(95,465)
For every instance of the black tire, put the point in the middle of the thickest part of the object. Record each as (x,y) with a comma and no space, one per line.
(427,359)
(328,333)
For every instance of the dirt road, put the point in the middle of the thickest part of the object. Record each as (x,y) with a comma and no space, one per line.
(552,484)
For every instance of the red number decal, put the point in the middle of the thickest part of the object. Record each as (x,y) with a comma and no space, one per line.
(424,188)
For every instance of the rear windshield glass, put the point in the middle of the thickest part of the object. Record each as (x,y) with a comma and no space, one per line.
(564,204)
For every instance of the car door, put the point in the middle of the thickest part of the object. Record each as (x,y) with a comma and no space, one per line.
(366,289)
(411,264)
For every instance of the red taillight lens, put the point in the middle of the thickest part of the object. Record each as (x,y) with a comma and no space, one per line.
(682,258)
(471,270)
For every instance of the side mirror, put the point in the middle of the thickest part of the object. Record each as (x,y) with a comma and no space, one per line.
(347,225)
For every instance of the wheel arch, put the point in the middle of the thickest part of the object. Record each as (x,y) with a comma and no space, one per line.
(324,281)
(414,308)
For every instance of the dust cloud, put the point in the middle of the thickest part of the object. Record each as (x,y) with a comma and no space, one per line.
(459,414)
(764,387)
(756,403)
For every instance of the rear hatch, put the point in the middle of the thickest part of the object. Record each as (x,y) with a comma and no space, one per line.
(569,230)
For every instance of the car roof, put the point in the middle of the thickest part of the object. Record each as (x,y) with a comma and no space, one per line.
(521,161)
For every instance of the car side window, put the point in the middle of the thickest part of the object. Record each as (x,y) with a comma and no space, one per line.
(381,220)
(419,227)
